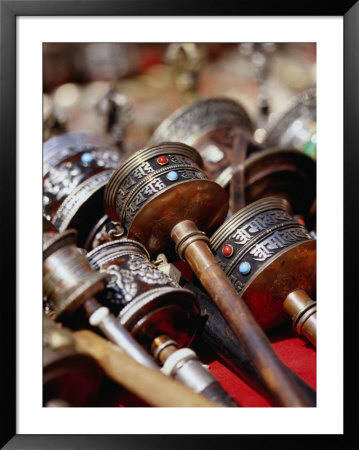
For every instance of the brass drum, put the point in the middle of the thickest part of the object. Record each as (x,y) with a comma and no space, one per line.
(297,126)
(266,254)
(76,168)
(159,186)
(147,301)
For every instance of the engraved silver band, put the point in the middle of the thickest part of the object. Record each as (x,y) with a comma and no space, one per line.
(238,219)
(190,122)
(111,251)
(140,302)
(307,98)
(147,180)
(258,238)
(78,197)
(141,156)
(60,148)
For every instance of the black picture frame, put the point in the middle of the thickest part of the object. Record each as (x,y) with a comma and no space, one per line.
(9,10)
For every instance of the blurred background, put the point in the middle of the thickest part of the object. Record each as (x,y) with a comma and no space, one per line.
(126,90)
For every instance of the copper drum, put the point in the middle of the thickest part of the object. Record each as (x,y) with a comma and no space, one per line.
(69,280)
(266,254)
(297,126)
(209,126)
(69,376)
(76,168)
(281,172)
(159,186)
(147,301)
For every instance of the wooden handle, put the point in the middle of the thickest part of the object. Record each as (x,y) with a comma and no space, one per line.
(150,385)
(278,380)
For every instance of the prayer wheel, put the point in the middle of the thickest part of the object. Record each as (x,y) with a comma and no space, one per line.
(160,314)
(76,168)
(160,185)
(146,301)
(270,258)
(297,126)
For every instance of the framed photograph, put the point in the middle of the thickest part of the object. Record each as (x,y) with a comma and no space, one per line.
(69,67)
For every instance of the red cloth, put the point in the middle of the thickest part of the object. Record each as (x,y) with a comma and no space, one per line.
(292,351)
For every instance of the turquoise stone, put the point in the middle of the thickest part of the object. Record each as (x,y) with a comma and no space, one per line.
(172,176)
(86,158)
(244,268)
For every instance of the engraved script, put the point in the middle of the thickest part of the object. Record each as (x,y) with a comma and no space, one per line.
(279,239)
(191,174)
(261,222)
(178,159)
(142,170)
(150,188)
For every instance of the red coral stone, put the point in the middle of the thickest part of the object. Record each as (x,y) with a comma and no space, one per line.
(227,250)
(162,160)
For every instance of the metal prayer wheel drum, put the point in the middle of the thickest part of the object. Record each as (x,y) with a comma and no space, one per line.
(281,172)
(209,126)
(147,301)
(266,254)
(68,376)
(297,126)
(69,280)
(159,186)
(77,166)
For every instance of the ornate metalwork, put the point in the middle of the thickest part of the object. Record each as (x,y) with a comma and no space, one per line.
(134,271)
(158,185)
(70,160)
(67,145)
(136,289)
(257,233)
(296,127)
(188,123)
(81,194)
(261,234)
